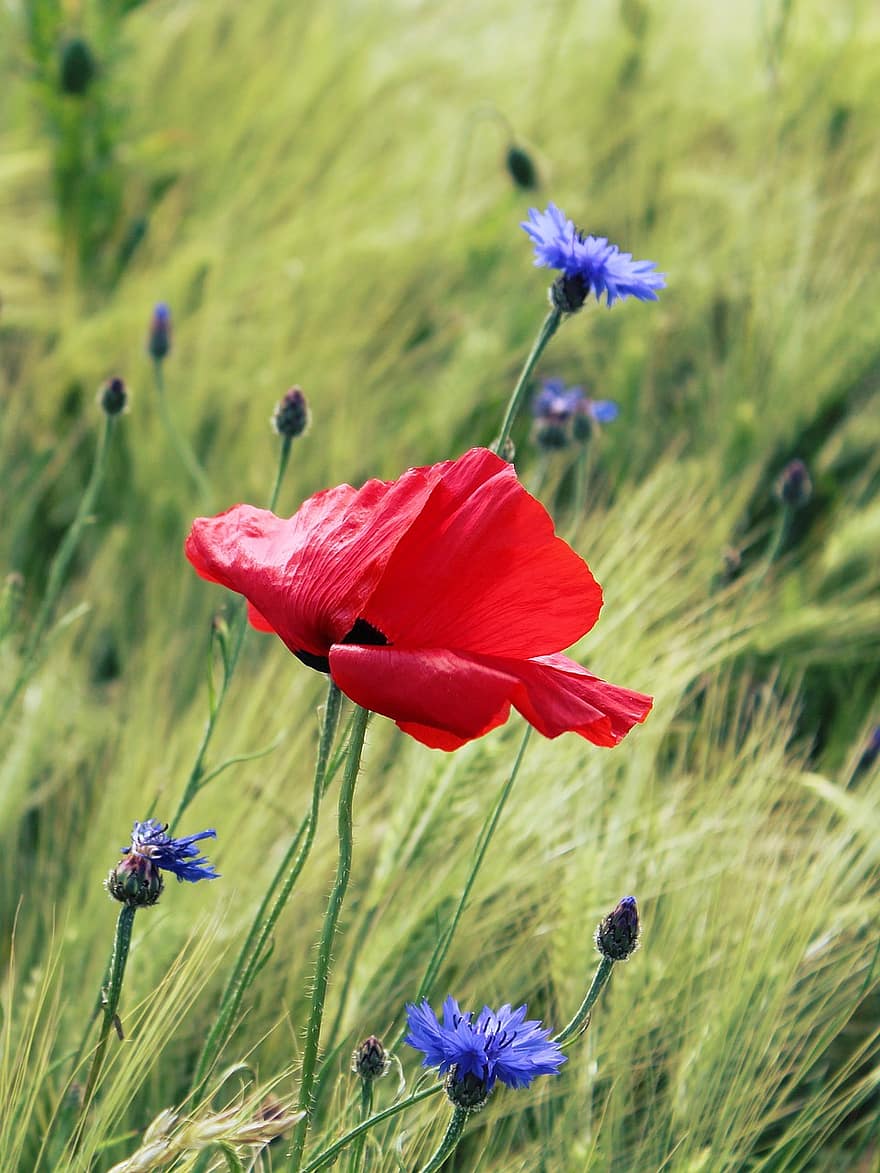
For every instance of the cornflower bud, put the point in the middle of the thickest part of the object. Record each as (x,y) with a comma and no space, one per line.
(617,935)
(794,487)
(113,396)
(159,341)
(291,416)
(370,1060)
(135,881)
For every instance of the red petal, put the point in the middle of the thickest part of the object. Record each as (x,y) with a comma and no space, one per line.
(309,577)
(481,570)
(440,698)
(445,698)
(556,695)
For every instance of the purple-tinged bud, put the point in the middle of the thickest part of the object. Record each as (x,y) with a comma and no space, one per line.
(794,487)
(617,936)
(113,396)
(470,1092)
(521,168)
(159,340)
(370,1060)
(551,435)
(78,67)
(291,416)
(568,294)
(135,881)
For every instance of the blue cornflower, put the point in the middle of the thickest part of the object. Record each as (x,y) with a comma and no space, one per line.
(562,413)
(589,264)
(504,1046)
(151,841)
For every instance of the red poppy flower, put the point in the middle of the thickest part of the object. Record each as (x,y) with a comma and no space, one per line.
(439,600)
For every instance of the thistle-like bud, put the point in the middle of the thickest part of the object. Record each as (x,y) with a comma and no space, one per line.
(135,881)
(794,487)
(370,1060)
(113,396)
(617,935)
(159,340)
(291,416)
(77,66)
(551,435)
(521,168)
(470,1092)
(568,294)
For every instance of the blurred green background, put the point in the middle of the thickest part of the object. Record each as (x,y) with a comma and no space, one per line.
(321,194)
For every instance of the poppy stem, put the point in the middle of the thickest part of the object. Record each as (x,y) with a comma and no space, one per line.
(548,329)
(328,933)
(252,952)
(449,1143)
(184,452)
(581,1020)
(486,834)
(330,1154)
(59,567)
(110,1001)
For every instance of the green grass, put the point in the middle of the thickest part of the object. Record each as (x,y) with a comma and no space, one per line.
(327,204)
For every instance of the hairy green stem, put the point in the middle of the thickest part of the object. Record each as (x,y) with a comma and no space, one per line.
(253,949)
(329,1155)
(185,454)
(59,567)
(580,1022)
(486,834)
(357,1151)
(121,945)
(548,329)
(283,458)
(449,1143)
(328,933)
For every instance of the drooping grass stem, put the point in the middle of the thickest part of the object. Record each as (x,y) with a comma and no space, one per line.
(263,924)
(59,568)
(548,329)
(328,933)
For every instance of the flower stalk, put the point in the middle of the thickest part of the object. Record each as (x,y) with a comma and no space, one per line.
(253,950)
(328,933)
(449,1143)
(185,454)
(518,395)
(110,1001)
(366,1111)
(330,1154)
(581,1020)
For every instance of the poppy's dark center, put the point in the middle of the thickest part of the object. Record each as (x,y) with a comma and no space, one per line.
(361,633)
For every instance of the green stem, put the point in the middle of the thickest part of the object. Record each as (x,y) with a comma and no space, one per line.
(283,458)
(186,455)
(357,1152)
(449,1143)
(121,945)
(580,1022)
(330,1154)
(60,565)
(582,478)
(328,933)
(252,951)
(489,827)
(548,329)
